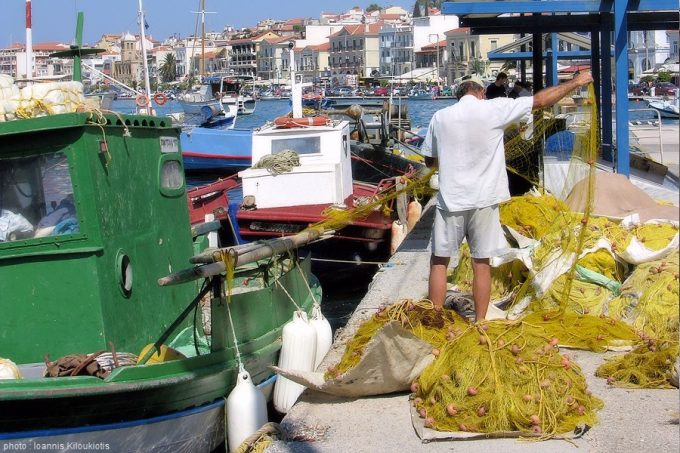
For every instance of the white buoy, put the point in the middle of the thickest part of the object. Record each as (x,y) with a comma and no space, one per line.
(399,231)
(434,181)
(9,369)
(298,352)
(413,213)
(246,411)
(324,334)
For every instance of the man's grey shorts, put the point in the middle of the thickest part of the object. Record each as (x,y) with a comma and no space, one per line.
(481,227)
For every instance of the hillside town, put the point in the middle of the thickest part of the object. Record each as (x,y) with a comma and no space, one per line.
(355,48)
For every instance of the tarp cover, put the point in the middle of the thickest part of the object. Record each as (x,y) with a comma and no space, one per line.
(392,360)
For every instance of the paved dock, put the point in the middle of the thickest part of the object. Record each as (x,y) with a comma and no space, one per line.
(631,421)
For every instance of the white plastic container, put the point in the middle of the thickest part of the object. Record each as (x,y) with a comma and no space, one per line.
(324,334)
(298,352)
(246,411)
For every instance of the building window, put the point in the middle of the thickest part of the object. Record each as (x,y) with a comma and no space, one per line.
(494,44)
(473,51)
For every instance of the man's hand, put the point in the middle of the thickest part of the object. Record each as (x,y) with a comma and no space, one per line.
(583,78)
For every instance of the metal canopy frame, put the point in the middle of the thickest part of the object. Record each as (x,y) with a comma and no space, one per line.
(598,17)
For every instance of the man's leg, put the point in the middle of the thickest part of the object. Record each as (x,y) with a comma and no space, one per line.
(481,286)
(437,282)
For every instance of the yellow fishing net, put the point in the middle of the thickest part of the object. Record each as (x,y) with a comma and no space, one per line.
(649,299)
(419,317)
(650,365)
(504,377)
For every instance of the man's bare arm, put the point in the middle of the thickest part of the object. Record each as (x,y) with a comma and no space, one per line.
(549,96)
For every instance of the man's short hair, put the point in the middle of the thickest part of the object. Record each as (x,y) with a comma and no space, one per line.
(468,86)
(501,75)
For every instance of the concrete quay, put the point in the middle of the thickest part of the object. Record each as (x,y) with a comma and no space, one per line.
(631,421)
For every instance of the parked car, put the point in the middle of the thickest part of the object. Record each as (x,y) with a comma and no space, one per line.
(381,91)
(664,89)
(638,89)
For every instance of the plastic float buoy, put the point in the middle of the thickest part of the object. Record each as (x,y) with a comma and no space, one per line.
(246,411)
(141,100)
(160,98)
(413,212)
(287,122)
(399,231)
(9,369)
(324,334)
(434,181)
(298,352)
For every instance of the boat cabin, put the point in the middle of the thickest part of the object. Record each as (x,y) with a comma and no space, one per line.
(92,213)
(324,175)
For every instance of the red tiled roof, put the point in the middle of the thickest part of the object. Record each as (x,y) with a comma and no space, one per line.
(321,47)
(50,46)
(434,45)
(460,30)
(359,30)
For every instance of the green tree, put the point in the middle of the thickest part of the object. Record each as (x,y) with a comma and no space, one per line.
(478,66)
(663,76)
(373,7)
(168,70)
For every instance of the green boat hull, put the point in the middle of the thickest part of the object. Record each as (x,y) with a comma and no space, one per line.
(73,292)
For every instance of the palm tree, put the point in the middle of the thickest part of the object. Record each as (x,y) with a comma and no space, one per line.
(168,70)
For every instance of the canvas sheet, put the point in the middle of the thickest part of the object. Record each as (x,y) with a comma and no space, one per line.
(392,360)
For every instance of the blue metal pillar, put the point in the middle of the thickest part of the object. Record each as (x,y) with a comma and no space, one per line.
(537,61)
(595,65)
(607,134)
(621,56)
(555,47)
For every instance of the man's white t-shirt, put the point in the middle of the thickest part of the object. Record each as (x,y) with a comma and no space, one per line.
(467,139)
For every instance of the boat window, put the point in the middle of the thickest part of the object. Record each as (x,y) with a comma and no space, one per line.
(36,198)
(301,145)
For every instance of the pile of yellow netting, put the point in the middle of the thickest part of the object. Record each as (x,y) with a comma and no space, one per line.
(650,365)
(501,377)
(419,317)
(649,299)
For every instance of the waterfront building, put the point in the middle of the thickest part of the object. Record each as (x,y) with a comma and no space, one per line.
(434,56)
(354,53)
(467,53)
(13,60)
(269,58)
(647,51)
(244,51)
(313,63)
(396,49)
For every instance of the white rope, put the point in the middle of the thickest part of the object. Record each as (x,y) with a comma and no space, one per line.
(304,278)
(241,368)
(288,294)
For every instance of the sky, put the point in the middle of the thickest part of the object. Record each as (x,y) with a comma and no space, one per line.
(54,20)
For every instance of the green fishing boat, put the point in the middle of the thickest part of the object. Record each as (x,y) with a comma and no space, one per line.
(93,212)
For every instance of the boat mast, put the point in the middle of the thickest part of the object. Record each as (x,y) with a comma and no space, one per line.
(202,39)
(145,63)
(295,88)
(29,42)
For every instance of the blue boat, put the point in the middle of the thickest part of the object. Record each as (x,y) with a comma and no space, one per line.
(223,150)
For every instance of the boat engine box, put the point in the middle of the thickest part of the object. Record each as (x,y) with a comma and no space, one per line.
(324,173)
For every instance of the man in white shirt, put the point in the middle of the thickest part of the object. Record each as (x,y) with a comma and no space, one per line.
(465,141)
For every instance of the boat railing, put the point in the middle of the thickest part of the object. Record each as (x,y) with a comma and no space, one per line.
(654,127)
(579,120)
